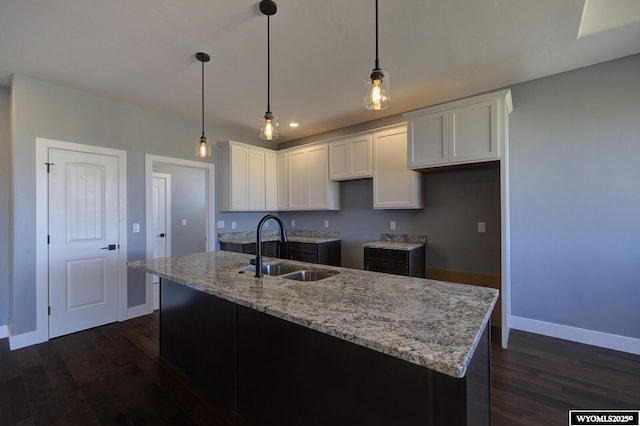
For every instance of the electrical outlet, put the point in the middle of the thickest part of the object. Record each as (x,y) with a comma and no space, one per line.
(326,223)
(233,225)
(184,222)
(392,225)
(482,227)
(136,227)
(293,223)
(220,224)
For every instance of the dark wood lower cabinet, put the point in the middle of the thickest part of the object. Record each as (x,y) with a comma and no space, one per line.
(274,372)
(269,248)
(410,263)
(329,253)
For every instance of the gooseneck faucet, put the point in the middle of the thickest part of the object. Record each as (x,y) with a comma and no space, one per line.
(283,239)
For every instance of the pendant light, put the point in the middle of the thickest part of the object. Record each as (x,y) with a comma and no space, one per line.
(269,123)
(377,94)
(203,148)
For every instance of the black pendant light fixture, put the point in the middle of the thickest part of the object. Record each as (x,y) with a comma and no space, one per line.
(203,148)
(269,123)
(377,94)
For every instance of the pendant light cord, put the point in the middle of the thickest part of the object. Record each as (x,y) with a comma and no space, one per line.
(203,99)
(377,61)
(268,67)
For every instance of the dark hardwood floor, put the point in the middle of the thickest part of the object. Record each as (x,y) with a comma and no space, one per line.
(113,375)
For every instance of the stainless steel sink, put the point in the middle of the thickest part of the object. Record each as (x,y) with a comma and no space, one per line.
(309,275)
(273,268)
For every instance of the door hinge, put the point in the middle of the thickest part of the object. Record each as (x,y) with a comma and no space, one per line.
(48,239)
(49,310)
(49,166)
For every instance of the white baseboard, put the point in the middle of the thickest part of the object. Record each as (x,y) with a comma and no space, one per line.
(580,335)
(4,331)
(23,340)
(140,310)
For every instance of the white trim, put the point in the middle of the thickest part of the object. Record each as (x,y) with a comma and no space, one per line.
(138,311)
(4,331)
(505,223)
(42,261)
(23,340)
(211,232)
(580,335)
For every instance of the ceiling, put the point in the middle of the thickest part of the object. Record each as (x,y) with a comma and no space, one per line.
(142,52)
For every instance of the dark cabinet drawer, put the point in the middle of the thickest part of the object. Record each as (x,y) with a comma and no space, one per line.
(400,262)
(269,248)
(328,253)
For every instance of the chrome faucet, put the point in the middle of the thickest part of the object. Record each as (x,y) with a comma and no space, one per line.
(283,239)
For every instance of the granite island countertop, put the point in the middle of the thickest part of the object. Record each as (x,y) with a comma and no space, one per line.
(430,323)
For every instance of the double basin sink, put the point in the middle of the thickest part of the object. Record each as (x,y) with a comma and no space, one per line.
(292,272)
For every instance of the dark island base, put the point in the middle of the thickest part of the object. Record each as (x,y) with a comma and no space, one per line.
(274,372)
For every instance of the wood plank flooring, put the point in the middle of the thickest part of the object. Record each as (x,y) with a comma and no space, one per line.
(114,375)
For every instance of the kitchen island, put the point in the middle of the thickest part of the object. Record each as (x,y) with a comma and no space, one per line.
(358,347)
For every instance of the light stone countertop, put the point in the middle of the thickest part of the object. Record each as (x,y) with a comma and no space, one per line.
(429,323)
(398,242)
(298,236)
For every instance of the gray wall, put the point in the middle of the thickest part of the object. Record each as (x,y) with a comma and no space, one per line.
(455,200)
(50,111)
(188,201)
(5,176)
(575,198)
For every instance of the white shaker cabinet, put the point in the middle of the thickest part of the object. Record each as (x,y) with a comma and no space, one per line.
(394,185)
(308,182)
(466,131)
(282,179)
(247,177)
(351,157)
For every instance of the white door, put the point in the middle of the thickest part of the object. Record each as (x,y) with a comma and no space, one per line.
(160,197)
(84,243)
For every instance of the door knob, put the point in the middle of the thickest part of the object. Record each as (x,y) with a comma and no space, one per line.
(109,247)
(161,235)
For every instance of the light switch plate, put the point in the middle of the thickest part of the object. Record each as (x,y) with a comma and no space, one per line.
(233,225)
(326,223)
(482,227)
(136,227)
(293,223)
(220,224)
(184,222)
(392,225)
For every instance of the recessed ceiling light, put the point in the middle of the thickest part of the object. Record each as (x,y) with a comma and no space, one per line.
(293,124)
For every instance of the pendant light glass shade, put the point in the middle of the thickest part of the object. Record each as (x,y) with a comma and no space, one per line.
(269,123)
(377,89)
(269,127)
(203,148)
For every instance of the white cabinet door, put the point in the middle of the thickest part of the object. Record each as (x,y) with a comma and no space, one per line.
(298,178)
(318,177)
(394,185)
(239,181)
(256,181)
(282,170)
(428,140)
(270,181)
(351,158)
(473,133)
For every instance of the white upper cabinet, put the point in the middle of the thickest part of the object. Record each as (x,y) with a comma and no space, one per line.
(351,158)
(465,131)
(247,177)
(307,184)
(282,178)
(394,185)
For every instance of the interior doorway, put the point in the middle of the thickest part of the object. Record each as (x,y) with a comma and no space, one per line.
(189,212)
